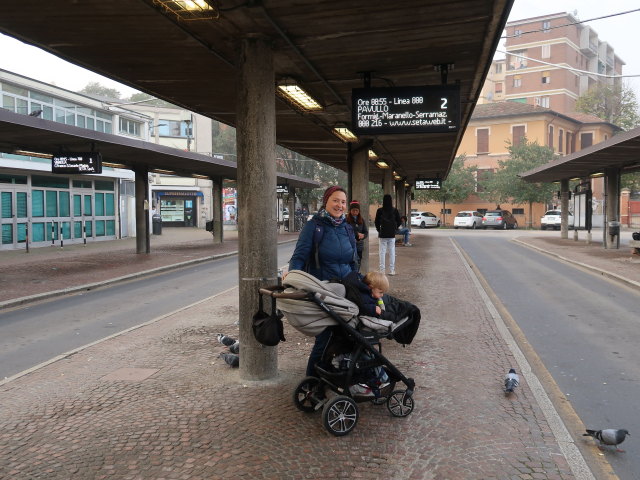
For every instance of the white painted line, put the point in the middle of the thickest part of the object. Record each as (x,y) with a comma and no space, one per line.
(570,451)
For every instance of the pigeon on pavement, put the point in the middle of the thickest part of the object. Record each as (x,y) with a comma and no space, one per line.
(225,340)
(609,436)
(511,381)
(235,348)
(231,359)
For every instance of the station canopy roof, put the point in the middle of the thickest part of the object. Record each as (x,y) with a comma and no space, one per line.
(22,134)
(189,58)
(621,151)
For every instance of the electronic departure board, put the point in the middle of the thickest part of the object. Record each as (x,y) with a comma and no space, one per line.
(427,109)
(427,184)
(90,162)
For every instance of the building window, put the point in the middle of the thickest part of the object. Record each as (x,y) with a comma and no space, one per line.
(546,51)
(518,211)
(546,77)
(129,127)
(498,68)
(560,139)
(518,59)
(542,101)
(174,128)
(517,81)
(546,26)
(586,140)
(550,137)
(498,88)
(482,136)
(518,133)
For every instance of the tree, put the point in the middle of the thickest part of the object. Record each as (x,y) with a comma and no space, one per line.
(459,184)
(95,88)
(615,104)
(505,185)
(141,97)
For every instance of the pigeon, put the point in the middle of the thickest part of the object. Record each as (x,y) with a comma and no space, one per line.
(235,348)
(511,381)
(36,113)
(231,359)
(610,436)
(225,340)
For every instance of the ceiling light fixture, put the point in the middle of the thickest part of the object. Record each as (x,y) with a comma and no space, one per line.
(163,171)
(190,10)
(397,177)
(597,175)
(114,165)
(344,134)
(372,155)
(297,96)
(382,164)
(29,153)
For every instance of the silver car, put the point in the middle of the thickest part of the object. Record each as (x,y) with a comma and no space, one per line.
(499,219)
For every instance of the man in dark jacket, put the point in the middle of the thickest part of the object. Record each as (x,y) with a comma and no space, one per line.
(387,223)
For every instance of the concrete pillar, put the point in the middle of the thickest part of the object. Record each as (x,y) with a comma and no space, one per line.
(217,215)
(612,205)
(402,198)
(257,219)
(292,209)
(360,192)
(387,182)
(143,242)
(564,207)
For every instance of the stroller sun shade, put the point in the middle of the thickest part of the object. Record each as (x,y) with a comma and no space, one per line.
(305,316)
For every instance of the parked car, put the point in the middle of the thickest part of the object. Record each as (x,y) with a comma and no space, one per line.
(424,220)
(285,215)
(553,219)
(502,219)
(467,219)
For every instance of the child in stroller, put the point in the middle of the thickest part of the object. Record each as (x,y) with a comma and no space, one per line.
(354,354)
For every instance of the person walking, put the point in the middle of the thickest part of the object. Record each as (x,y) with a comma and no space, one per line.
(360,228)
(387,222)
(326,249)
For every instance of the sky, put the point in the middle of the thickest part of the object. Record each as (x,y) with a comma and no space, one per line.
(622,32)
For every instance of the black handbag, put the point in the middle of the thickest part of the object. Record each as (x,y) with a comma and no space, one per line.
(636,235)
(268,329)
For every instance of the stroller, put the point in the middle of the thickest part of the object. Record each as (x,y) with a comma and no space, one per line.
(353,369)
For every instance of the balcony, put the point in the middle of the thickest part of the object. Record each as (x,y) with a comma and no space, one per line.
(590,50)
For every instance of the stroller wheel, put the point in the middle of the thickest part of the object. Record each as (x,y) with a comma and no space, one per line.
(340,415)
(399,404)
(307,394)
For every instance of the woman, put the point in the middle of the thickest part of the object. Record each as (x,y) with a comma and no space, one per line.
(359,227)
(332,258)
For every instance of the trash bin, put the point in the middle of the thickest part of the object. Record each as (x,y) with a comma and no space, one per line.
(156,223)
(614,228)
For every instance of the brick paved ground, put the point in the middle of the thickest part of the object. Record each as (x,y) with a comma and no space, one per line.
(158,403)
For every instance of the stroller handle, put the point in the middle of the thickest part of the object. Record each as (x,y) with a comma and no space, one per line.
(275,292)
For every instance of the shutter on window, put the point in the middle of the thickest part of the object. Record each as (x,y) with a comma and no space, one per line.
(518,133)
(483,140)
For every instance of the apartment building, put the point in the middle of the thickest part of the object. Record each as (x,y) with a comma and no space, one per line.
(551,60)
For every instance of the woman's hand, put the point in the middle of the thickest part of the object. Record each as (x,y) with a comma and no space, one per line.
(360,236)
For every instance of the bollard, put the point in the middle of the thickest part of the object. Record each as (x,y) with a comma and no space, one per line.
(60,234)
(53,234)
(84,233)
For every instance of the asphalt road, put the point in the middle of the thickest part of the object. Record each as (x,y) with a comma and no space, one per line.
(584,328)
(41,331)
